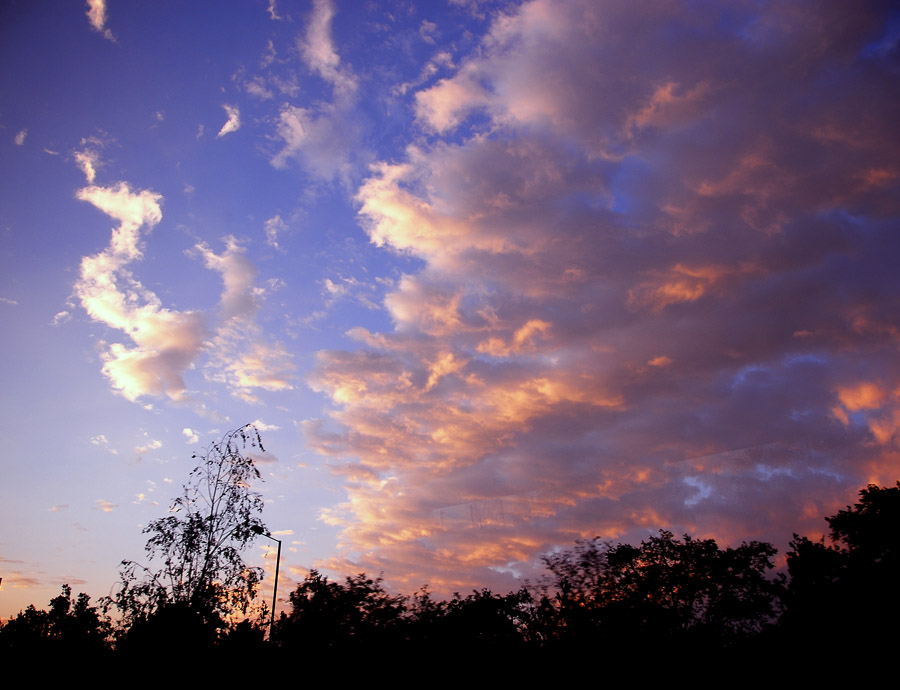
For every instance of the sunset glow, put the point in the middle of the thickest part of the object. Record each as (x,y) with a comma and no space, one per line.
(488,276)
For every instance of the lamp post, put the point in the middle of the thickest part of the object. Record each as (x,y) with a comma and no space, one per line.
(262,532)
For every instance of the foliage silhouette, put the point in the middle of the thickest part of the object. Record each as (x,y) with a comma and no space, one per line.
(327,615)
(75,627)
(684,595)
(844,593)
(202,576)
(665,589)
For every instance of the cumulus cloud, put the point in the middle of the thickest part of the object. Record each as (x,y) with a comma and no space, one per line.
(190,435)
(262,426)
(106,506)
(233,124)
(643,231)
(141,451)
(164,342)
(60,317)
(19,139)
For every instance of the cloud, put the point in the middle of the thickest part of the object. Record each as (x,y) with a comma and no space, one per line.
(143,497)
(87,161)
(165,342)
(19,139)
(106,506)
(60,317)
(233,124)
(262,426)
(427,30)
(443,59)
(103,442)
(319,53)
(274,226)
(272,9)
(325,140)
(256,86)
(96,15)
(642,304)
(7,300)
(240,355)
(190,435)
(324,137)
(16,579)
(141,451)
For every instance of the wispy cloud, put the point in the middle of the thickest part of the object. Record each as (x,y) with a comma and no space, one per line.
(324,137)
(60,317)
(19,139)
(103,442)
(273,227)
(96,14)
(319,53)
(88,159)
(240,354)
(233,124)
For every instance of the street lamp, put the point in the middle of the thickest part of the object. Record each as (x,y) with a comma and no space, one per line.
(260,531)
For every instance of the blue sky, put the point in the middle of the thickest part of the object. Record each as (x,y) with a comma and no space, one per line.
(488,276)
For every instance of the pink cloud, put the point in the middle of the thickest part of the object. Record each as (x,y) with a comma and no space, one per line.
(654,268)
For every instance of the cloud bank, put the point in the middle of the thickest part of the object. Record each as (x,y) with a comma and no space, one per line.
(658,288)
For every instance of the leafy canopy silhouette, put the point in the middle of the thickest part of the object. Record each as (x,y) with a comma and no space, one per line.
(198,545)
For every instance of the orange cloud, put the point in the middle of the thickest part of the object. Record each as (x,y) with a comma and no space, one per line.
(864,396)
(582,236)
(679,284)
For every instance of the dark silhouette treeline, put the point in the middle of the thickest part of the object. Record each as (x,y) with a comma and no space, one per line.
(681,595)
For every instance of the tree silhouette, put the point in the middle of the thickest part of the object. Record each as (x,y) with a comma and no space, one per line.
(326,615)
(665,589)
(201,575)
(843,595)
(73,627)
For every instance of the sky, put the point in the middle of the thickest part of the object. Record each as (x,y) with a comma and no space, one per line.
(488,276)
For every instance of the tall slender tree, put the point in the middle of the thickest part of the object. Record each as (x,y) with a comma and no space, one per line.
(194,553)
